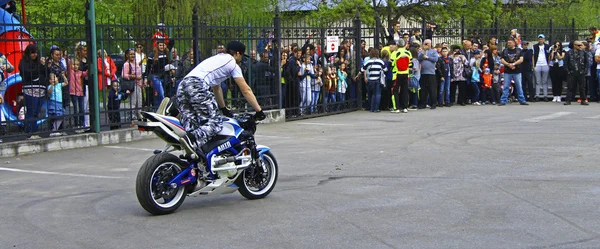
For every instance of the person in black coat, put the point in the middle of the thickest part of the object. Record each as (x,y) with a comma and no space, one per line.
(264,80)
(35,82)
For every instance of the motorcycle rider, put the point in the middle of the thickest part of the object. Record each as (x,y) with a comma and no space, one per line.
(198,105)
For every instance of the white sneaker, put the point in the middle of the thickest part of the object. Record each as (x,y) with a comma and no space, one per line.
(558,99)
(34,137)
(554,99)
(55,134)
(396,111)
(404,110)
(64,134)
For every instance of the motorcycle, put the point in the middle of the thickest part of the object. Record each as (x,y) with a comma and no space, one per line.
(229,162)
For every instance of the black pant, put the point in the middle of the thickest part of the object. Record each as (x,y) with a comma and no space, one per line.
(528,85)
(462,92)
(488,94)
(114,117)
(400,91)
(386,96)
(557,75)
(428,90)
(576,81)
(453,86)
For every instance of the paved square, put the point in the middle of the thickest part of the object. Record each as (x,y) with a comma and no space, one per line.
(460,177)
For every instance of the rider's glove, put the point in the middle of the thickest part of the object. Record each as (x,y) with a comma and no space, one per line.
(226,112)
(260,115)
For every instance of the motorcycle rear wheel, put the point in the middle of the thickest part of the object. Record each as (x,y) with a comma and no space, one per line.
(153,192)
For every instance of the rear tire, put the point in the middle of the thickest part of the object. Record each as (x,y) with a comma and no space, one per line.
(152,184)
(254,183)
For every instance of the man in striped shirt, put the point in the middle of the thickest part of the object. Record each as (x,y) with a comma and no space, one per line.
(374,76)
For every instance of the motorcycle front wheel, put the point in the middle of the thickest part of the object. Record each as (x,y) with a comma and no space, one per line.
(256,182)
(152,188)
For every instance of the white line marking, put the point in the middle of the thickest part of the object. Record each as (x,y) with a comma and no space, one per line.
(323,124)
(127,148)
(57,173)
(547,117)
(594,117)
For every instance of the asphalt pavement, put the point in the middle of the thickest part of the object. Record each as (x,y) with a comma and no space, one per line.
(460,177)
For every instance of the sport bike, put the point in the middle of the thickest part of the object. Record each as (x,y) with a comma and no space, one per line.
(229,162)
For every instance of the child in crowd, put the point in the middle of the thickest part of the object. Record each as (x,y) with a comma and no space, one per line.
(414,79)
(342,84)
(330,85)
(114,105)
(496,82)
(170,80)
(316,89)
(55,104)
(488,93)
(77,93)
(475,77)
(19,108)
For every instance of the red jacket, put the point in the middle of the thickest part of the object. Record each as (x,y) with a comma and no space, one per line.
(108,75)
(158,36)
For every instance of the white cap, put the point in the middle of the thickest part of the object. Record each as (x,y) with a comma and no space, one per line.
(169,67)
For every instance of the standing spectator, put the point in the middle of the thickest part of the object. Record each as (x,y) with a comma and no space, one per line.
(363,50)
(414,78)
(264,79)
(394,33)
(316,89)
(590,75)
(557,70)
(541,60)
(596,34)
(459,77)
(264,41)
(55,106)
(160,35)
(2,121)
(106,70)
(430,29)
(386,93)
(488,92)
(157,60)
(56,66)
(307,74)
(81,56)
(374,76)
(401,63)
(188,63)
(527,68)
(416,36)
(140,56)
(330,86)
(511,58)
(114,105)
(428,60)
(284,59)
(477,40)
(77,93)
(292,79)
(170,80)
(577,65)
(342,85)
(516,36)
(133,71)
(444,94)
(493,41)
(597,60)
(475,84)
(34,75)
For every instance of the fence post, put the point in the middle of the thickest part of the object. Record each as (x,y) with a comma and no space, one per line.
(551,32)
(277,24)
(377,29)
(496,27)
(462,29)
(94,105)
(523,37)
(424,28)
(574,35)
(196,34)
(357,57)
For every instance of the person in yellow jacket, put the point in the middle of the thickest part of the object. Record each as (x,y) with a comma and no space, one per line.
(401,64)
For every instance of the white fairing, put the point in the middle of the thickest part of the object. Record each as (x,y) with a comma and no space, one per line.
(227,130)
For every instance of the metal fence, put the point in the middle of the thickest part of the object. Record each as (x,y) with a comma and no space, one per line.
(191,39)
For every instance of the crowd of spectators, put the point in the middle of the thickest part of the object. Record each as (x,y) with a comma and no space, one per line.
(409,73)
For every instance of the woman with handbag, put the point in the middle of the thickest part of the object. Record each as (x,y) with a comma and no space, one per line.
(132,81)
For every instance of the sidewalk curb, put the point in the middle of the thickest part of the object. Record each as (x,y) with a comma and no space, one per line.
(26,147)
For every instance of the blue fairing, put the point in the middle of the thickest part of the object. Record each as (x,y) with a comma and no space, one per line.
(237,130)
(262,150)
